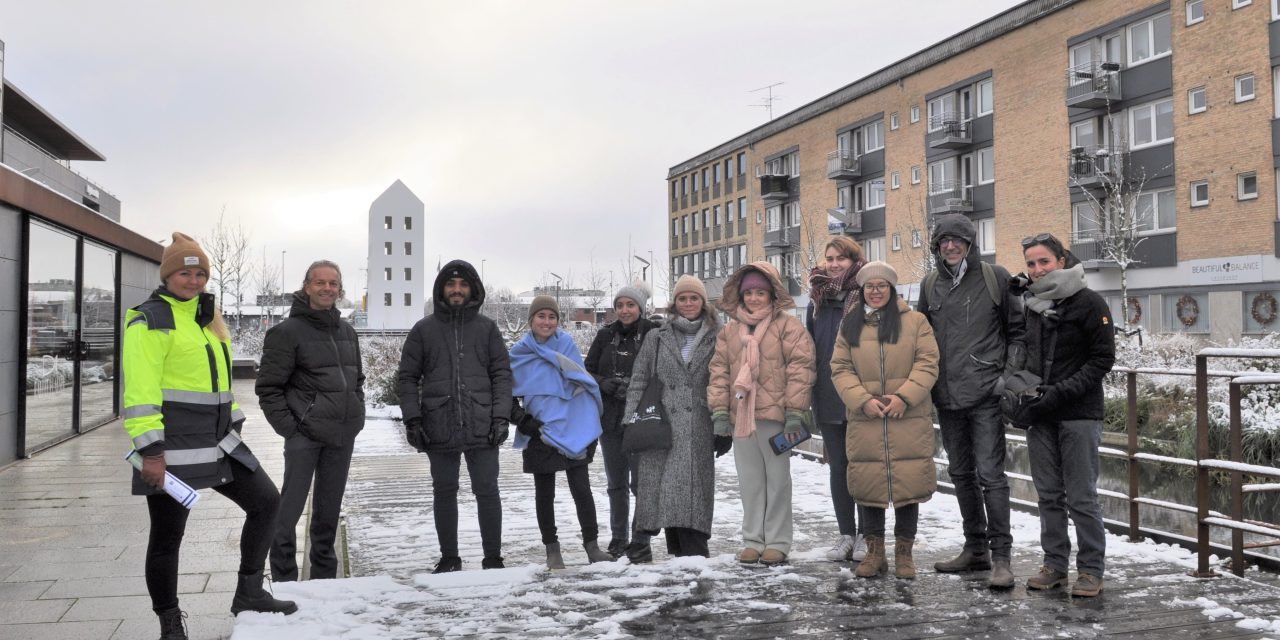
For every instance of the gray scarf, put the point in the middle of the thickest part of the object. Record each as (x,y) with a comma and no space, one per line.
(691,331)
(1054,286)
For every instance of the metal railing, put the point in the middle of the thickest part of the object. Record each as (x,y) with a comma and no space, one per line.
(948,125)
(1093,79)
(842,162)
(1097,162)
(950,196)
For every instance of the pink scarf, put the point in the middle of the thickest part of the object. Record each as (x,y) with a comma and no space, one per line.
(744,386)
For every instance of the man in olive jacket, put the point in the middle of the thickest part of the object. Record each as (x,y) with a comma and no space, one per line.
(979,327)
(311,388)
(455,396)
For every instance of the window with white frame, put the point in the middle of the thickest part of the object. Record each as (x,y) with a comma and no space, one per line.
(1084,134)
(1237,4)
(986,165)
(896,244)
(1085,222)
(893,121)
(875,194)
(706,180)
(986,97)
(844,197)
(1275,9)
(715,215)
(1080,59)
(729,214)
(1244,87)
(695,181)
(787,165)
(895,180)
(697,263)
(688,263)
(728,168)
(1151,124)
(915,174)
(1150,39)
(1156,212)
(1275,88)
(675,227)
(742,254)
(916,238)
(1199,193)
(791,214)
(1197,100)
(940,174)
(859,196)
(987,236)
(873,248)
(873,136)
(742,208)
(941,109)
(773,218)
(1247,185)
(1195,11)
(717,173)
(915,113)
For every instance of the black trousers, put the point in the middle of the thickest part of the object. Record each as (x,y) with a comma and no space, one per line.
(252,491)
(305,459)
(682,541)
(482,466)
(544,496)
(904,521)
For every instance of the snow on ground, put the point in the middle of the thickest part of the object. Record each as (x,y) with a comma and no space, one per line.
(392,541)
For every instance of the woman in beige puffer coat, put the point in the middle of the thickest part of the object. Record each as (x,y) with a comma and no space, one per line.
(762,375)
(884,365)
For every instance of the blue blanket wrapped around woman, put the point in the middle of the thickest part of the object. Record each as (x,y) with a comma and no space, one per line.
(558,391)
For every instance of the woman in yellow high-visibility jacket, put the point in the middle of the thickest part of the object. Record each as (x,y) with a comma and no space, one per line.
(180,413)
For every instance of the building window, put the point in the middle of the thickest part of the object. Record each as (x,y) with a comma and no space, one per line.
(1275,9)
(742,163)
(386,222)
(915,113)
(1199,193)
(893,121)
(897,242)
(916,240)
(986,97)
(408,248)
(386,248)
(742,208)
(1197,100)
(915,174)
(695,181)
(408,223)
(728,212)
(874,248)
(940,175)
(684,185)
(987,236)
(1244,87)
(986,165)
(386,299)
(408,299)
(843,197)
(1151,124)
(675,227)
(1247,185)
(772,218)
(706,218)
(728,168)
(1237,4)
(408,274)
(684,224)
(1149,39)
(717,173)
(788,165)
(791,214)
(1275,87)
(1195,11)
(742,254)
(1085,225)
(696,219)
(895,180)
(386,274)
(941,109)
(873,136)
(715,215)
(875,194)
(1156,212)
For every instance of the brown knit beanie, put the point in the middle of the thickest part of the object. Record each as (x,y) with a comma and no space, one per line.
(689,284)
(877,269)
(183,253)
(543,302)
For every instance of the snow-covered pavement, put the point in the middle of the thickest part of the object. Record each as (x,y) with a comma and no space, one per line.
(392,542)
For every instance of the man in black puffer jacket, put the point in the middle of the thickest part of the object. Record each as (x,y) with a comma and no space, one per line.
(311,389)
(455,396)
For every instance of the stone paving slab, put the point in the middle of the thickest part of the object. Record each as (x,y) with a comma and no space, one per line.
(94,630)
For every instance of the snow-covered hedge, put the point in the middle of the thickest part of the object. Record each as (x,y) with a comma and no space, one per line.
(381,356)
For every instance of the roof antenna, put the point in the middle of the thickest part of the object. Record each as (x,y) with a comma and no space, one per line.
(768,100)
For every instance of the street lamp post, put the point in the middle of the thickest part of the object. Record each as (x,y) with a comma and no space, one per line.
(482,261)
(558,280)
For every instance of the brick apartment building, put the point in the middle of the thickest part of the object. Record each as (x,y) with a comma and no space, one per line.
(1045,117)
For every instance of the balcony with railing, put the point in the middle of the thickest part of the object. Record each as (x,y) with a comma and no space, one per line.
(951,196)
(840,220)
(32,160)
(949,131)
(842,164)
(1088,247)
(1097,166)
(774,188)
(782,237)
(1091,85)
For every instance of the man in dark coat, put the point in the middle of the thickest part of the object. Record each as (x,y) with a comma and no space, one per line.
(979,327)
(311,389)
(455,396)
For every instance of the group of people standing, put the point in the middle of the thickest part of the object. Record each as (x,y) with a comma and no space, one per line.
(864,369)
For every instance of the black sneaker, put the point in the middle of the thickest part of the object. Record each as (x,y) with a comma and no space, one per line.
(639,553)
(492,562)
(448,564)
(617,548)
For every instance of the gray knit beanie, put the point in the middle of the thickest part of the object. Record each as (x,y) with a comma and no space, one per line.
(638,291)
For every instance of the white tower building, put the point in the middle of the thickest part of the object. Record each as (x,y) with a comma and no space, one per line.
(398,281)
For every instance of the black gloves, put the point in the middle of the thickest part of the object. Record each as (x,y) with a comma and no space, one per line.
(529,426)
(723,444)
(498,432)
(609,386)
(413,434)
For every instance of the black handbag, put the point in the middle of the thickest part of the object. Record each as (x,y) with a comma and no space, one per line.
(648,428)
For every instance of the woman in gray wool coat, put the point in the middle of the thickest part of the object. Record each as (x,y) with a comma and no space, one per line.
(676,487)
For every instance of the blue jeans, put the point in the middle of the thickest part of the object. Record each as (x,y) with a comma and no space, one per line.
(482,466)
(975,444)
(620,475)
(833,437)
(1064,467)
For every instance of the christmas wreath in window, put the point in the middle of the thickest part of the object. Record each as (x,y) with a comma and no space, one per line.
(1135,312)
(1188,310)
(1263,309)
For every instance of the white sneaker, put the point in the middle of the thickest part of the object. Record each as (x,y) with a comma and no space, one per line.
(859,549)
(843,549)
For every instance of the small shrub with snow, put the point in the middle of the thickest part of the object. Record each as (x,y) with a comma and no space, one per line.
(381,356)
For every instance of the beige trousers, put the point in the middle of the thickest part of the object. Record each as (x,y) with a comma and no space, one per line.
(764,485)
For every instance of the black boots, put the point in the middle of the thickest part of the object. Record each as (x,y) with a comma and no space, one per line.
(251,597)
(448,564)
(172,624)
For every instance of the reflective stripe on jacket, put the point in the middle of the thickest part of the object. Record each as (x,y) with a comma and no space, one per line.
(177,392)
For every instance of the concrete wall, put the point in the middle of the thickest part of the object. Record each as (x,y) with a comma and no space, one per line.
(397,202)
(10,285)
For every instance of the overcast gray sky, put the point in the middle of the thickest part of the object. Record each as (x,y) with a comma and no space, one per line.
(537,133)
